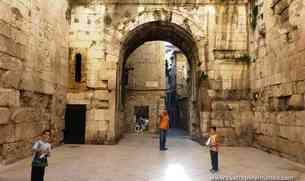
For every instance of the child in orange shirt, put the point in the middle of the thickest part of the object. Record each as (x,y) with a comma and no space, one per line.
(213,143)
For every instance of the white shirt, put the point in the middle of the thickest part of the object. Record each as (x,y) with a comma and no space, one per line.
(42,146)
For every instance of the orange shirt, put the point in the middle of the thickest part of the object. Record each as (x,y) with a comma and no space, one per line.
(214,142)
(164,121)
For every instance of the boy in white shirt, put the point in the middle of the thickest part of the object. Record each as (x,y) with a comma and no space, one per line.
(41,152)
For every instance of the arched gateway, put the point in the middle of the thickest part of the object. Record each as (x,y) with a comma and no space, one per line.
(165,31)
(159,25)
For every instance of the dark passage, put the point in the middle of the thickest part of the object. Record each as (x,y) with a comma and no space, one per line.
(75,124)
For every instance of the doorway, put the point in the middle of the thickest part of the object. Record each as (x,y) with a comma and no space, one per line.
(75,124)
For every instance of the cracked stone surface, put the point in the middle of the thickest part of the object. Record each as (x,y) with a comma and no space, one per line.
(137,158)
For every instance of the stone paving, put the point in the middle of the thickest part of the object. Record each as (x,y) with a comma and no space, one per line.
(137,158)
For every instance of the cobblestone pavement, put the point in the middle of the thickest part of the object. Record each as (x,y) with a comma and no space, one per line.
(137,158)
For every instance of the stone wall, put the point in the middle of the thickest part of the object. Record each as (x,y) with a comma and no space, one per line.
(182,75)
(224,89)
(146,67)
(33,74)
(183,88)
(278,77)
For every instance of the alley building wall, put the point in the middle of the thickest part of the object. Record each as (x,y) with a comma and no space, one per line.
(146,84)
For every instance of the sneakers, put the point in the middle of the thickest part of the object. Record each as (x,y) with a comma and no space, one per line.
(163,149)
(213,171)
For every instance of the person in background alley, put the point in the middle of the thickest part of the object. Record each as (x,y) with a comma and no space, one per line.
(164,125)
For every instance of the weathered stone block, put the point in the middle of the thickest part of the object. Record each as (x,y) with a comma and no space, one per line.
(77,98)
(101,104)
(111,84)
(235,115)
(269,117)
(286,89)
(257,127)
(22,115)
(215,84)
(228,135)
(287,146)
(266,141)
(259,116)
(219,106)
(10,63)
(288,132)
(204,118)
(211,93)
(97,84)
(276,91)
(274,104)
(9,97)
(219,115)
(30,130)
(286,118)
(103,125)
(102,114)
(300,87)
(246,116)
(21,51)
(267,129)
(296,102)
(101,94)
(233,106)
(4,133)
(300,118)
(16,150)
(228,123)
(217,123)
(27,81)
(10,79)
(204,115)
(244,106)
(5,29)
(4,115)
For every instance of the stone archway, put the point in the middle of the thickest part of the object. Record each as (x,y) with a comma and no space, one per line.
(162,31)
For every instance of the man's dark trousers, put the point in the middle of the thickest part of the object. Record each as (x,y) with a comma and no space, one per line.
(214,160)
(162,138)
(37,173)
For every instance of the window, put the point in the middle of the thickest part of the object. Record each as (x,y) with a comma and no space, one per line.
(78,67)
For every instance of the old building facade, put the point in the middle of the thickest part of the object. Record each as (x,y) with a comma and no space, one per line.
(246,61)
(146,89)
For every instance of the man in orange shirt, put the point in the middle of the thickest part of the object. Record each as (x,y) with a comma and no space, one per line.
(164,125)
